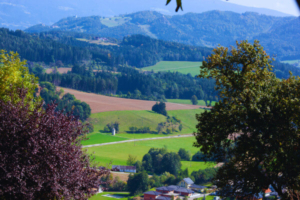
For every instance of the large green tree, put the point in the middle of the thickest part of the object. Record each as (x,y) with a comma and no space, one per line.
(255,124)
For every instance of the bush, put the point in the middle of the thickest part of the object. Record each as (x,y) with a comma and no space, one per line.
(160,108)
(144,129)
(184,154)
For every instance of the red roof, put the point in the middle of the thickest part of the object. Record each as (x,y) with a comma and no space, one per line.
(268,191)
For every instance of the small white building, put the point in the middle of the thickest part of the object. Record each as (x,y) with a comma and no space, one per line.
(100,189)
(113,131)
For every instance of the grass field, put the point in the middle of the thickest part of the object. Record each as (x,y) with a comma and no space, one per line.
(117,154)
(137,118)
(188,101)
(184,67)
(100,196)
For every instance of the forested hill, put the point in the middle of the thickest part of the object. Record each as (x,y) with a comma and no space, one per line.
(137,50)
(205,29)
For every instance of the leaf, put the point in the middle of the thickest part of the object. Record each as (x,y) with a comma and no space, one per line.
(179,5)
(168,1)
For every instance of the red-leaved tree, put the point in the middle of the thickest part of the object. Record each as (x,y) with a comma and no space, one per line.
(41,156)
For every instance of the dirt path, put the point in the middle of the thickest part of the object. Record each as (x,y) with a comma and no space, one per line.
(101,103)
(136,140)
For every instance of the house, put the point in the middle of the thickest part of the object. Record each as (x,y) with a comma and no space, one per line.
(151,195)
(186,182)
(120,168)
(170,192)
(267,192)
(174,190)
(197,188)
(184,191)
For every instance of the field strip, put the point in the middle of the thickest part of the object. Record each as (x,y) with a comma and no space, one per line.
(174,68)
(137,140)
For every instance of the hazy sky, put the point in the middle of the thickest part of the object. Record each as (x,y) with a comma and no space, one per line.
(286,6)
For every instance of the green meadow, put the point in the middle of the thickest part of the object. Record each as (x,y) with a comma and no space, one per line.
(188,101)
(101,196)
(117,154)
(184,67)
(138,119)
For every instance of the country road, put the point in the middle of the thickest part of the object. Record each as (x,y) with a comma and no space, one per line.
(136,140)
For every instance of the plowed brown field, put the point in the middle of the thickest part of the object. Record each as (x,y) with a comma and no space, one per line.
(101,103)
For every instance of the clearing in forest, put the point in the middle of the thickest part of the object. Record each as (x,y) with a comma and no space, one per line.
(184,67)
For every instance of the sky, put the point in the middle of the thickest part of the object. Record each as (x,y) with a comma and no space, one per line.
(286,6)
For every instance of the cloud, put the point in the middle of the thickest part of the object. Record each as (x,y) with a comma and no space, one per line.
(26,12)
(11,4)
(65,8)
(160,10)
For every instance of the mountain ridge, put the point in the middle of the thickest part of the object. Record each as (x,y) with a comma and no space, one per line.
(207,29)
(27,13)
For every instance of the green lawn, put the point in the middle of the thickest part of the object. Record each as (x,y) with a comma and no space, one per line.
(100,196)
(195,166)
(99,138)
(138,119)
(184,67)
(117,154)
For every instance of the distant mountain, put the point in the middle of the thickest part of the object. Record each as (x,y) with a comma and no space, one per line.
(21,14)
(279,35)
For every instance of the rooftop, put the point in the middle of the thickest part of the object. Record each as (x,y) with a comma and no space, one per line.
(153,193)
(188,181)
(198,186)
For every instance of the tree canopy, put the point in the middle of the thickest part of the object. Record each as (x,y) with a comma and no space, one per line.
(41,155)
(13,76)
(255,124)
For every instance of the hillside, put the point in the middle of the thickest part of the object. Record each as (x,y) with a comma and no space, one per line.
(205,29)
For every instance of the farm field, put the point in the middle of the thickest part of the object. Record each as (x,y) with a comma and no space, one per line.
(101,103)
(62,70)
(101,196)
(184,67)
(137,118)
(118,153)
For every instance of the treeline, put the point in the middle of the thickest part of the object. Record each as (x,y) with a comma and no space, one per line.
(60,49)
(67,102)
(136,50)
(130,83)
(34,49)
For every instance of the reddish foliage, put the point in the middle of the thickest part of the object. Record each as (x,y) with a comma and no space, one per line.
(41,156)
